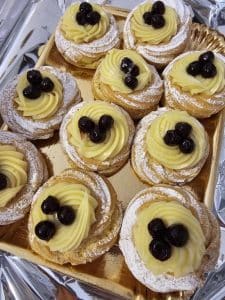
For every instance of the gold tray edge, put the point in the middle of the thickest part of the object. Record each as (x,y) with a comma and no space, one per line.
(106,284)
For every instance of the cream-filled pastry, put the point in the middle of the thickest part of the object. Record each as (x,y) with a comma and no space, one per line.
(169,239)
(35,102)
(170,146)
(22,171)
(158,30)
(124,78)
(85,34)
(97,136)
(195,82)
(75,217)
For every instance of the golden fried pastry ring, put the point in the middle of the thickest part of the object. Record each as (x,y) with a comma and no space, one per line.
(38,129)
(37,173)
(164,283)
(103,232)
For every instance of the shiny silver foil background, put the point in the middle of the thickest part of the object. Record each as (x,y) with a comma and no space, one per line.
(24,26)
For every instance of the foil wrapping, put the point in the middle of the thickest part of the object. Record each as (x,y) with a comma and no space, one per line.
(25,25)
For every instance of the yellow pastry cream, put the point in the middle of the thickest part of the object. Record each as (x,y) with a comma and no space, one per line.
(172,157)
(46,105)
(145,33)
(83,33)
(116,138)
(197,84)
(79,198)
(14,167)
(112,75)
(183,260)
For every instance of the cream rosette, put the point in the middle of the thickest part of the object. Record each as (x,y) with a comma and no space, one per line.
(85,45)
(106,157)
(25,171)
(38,118)
(158,46)
(97,220)
(186,267)
(200,97)
(155,162)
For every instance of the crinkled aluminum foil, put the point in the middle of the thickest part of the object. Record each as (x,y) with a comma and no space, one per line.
(24,26)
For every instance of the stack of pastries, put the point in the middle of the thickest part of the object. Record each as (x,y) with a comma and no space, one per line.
(169,239)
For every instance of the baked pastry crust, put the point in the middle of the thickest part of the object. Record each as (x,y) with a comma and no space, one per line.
(167,282)
(43,129)
(199,106)
(137,103)
(75,53)
(106,167)
(103,232)
(19,205)
(160,55)
(148,169)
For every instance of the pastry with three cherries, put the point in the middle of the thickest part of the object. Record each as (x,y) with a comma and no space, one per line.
(169,239)
(124,78)
(97,136)
(75,217)
(22,171)
(195,82)
(158,30)
(170,146)
(35,102)
(85,33)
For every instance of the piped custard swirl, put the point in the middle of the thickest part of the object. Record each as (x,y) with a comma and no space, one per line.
(14,167)
(183,260)
(116,139)
(172,157)
(145,33)
(72,31)
(112,75)
(43,107)
(197,84)
(78,197)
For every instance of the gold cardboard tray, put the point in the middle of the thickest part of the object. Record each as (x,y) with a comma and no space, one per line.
(109,272)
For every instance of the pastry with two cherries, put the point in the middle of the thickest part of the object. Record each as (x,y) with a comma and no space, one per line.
(75,217)
(22,171)
(195,82)
(169,239)
(124,78)
(158,30)
(35,102)
(97,136)
(85,33)
(170,146)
